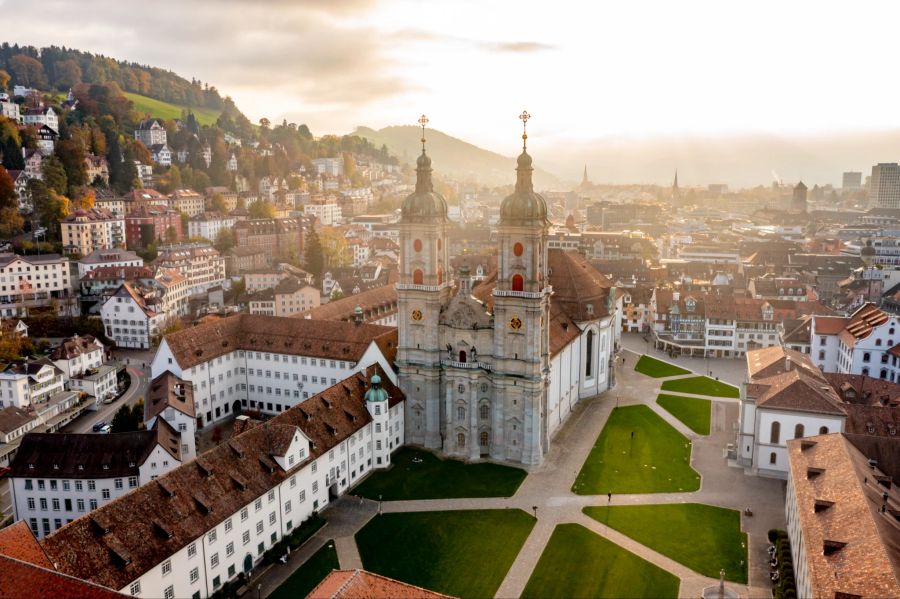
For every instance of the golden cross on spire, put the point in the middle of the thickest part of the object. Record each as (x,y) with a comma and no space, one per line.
(524,118)
(423,120)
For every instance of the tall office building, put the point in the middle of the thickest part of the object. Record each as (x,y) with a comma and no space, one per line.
(852,181)
(884,187)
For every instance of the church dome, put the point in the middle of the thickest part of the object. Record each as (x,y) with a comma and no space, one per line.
(424,205)
(524,207)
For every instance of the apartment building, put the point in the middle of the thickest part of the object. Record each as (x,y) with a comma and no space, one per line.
(200,263)
(279,237)
(187,201)
(27,383)
(114,257)
(866,342)
(148,224)
(87,230)
(208,225)
(82,360)
(133,316)
(290,296)
(327,213)
(56,478)
(28,281)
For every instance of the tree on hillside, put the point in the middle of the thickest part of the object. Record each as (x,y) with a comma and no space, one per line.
(52,212)
(4,80)
(217,203)
(334,247)
(27,71)
(11,145)
(262,209)
(71,155)
(313,255)
(55,175)
(8,198)
(224,240)
(68,74)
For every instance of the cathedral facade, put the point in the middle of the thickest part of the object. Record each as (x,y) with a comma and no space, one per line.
(491,371)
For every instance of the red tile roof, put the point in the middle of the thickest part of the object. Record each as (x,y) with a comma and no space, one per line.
(332,339)
(18,542)
(19,579)
(360,584)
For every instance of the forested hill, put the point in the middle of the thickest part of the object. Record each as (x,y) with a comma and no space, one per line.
(60,69)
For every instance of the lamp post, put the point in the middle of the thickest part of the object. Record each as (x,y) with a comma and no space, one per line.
(379,505)
(259,591)
(535,508)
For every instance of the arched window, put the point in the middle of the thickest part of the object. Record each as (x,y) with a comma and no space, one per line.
(878,342)
(823,430)
(460,440)
(418,276)
(417,245)
(775,434)
(440,276)
(483,438)
(484,387)
(773,458)
(462,356)
(518,283)
(484,411)
(867,357)
(589,355)
(798,431)
(460,413)
(883,374)
(865,372)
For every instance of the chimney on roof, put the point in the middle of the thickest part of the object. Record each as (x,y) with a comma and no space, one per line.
(787,362)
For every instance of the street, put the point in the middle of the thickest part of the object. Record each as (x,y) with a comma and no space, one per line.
(139,383)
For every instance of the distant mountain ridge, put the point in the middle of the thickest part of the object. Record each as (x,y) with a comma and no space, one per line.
(453,156)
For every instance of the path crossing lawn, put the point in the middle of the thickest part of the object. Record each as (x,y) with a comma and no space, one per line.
(637,452)
(306,577)
(418,474)
(704,538)
(701,385)
(578,563)
(463,553)
(692,411)
(657,368)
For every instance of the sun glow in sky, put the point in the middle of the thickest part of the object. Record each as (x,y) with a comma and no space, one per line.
(585,70)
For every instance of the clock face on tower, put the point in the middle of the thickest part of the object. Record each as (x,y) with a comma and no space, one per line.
(515,323)
(416,315)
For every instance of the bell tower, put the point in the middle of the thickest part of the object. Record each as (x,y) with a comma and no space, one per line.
(424,287)
(522,317)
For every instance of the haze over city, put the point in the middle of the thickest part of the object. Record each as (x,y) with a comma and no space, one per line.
(633,89)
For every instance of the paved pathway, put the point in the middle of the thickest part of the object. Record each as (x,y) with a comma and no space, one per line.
(548,487)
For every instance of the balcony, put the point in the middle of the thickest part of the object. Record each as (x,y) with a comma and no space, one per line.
(524,294)
(467,365)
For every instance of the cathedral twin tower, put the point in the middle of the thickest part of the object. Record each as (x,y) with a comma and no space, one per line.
(475,371)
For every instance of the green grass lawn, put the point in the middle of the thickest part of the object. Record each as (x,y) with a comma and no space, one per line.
(418,474)
(577,563)
(306,577)
(656,460)
(657,368)
(704,538)
(701,385)
(692,411)
(165,110)
(460,553)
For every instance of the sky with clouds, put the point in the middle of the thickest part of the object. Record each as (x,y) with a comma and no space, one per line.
(620,71)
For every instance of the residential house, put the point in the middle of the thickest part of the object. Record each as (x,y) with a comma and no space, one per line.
(88,230)
(150,133)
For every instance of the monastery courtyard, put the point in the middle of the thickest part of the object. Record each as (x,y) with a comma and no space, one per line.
(483,546)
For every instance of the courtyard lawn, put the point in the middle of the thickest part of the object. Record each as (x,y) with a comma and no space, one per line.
(637,452)
(692,411)
(461,553)
(701,385)
(704,538)
(311,573)
(578,563)
(418,474)
(657,368)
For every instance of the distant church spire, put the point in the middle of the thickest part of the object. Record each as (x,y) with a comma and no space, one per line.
(584,179)
(676,193)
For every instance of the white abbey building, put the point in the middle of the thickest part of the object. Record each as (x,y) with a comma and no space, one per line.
(493,370)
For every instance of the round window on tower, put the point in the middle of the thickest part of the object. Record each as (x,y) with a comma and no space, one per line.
(518,248)
(417,245)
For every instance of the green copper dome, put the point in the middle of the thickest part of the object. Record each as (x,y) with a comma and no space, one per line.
(524,207)
(424,205)
(375,392)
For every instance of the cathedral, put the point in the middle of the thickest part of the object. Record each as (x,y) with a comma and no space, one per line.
(491,371)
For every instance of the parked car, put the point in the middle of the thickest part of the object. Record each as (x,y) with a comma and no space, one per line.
(99,425)
(3,471)
(106,430)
